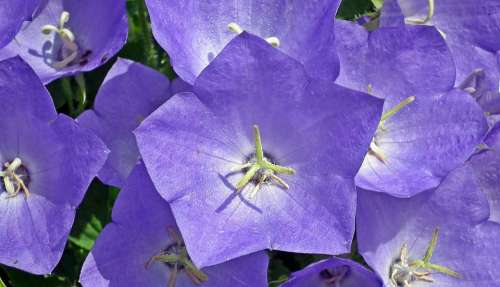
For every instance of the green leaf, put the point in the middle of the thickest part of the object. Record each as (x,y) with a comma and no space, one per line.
(352,9)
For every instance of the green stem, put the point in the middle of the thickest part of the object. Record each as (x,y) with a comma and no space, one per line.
(80,80)
(68,94)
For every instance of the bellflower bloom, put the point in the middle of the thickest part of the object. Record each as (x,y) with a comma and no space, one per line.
(12,15)
(470,28)
(48,162)
(427,128)
(438,238)
(70,36)
(142,247)
(129,93)
(259,156)
(334,272)
(194,32)
(486,168)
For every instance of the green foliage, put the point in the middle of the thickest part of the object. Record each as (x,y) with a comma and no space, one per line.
(353,9)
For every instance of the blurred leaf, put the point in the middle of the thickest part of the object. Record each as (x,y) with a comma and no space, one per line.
(378,4)
(352,9)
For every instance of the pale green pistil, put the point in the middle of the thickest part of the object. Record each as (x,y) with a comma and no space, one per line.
(374,149)
(178,259)
(405,271)
(262,168)
(13,182)
(70,48)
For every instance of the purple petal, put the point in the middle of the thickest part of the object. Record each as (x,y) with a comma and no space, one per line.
(141,219)
(386,60)
(12,15)
(422,143)
(192,144)
(193,32)
(60,160)
(129,93)
(336,272)
(100,29)
(466,243)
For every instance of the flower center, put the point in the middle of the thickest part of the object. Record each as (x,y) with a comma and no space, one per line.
(69,49)
(176,257)
(428,17)
(404,271)
(334,276)
(15,178)
(235,28)
(374,148)
(260,169)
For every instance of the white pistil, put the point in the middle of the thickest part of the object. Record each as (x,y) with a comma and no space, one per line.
(235,28)
(12,181)
(428,17)
(70,48)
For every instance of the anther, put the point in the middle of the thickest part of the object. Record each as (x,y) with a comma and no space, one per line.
(235,28)
(262,168)
(12,181)
(69,48)
(428,17)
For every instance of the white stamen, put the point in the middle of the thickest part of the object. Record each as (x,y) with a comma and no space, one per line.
(70,48)
(235,28)
(273,41)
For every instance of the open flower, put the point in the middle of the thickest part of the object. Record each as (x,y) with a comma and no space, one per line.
(129,93)
(13,13)
(437,238)
(259,156)
(70,36)
(142,247)
(428,128)
(194,32)
(47,163)
(470,28)
(334,272)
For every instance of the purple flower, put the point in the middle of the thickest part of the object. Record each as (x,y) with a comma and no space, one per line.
(427,128)
(71,36)
(142,247)
(437,238)
(12,14)
(194,32)
(127,96)
(486,168)
(334,272)
(47,164)
(259,156)
(470,28)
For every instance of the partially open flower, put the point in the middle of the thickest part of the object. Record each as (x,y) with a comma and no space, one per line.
(142,247)
(194,32)
(129,93)
(438,238)
(259,155)
(334,272)
(71,36)
(47,163)
(428,128)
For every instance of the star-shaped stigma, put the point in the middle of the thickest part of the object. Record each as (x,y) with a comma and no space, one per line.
(260,170)
(405,271)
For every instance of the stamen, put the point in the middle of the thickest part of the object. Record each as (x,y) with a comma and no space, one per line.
(397,108)
(262,165)
(177,258)
(235,28)
(428,17)
(12,181)
(404,271)
(273,41)
(69,48)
